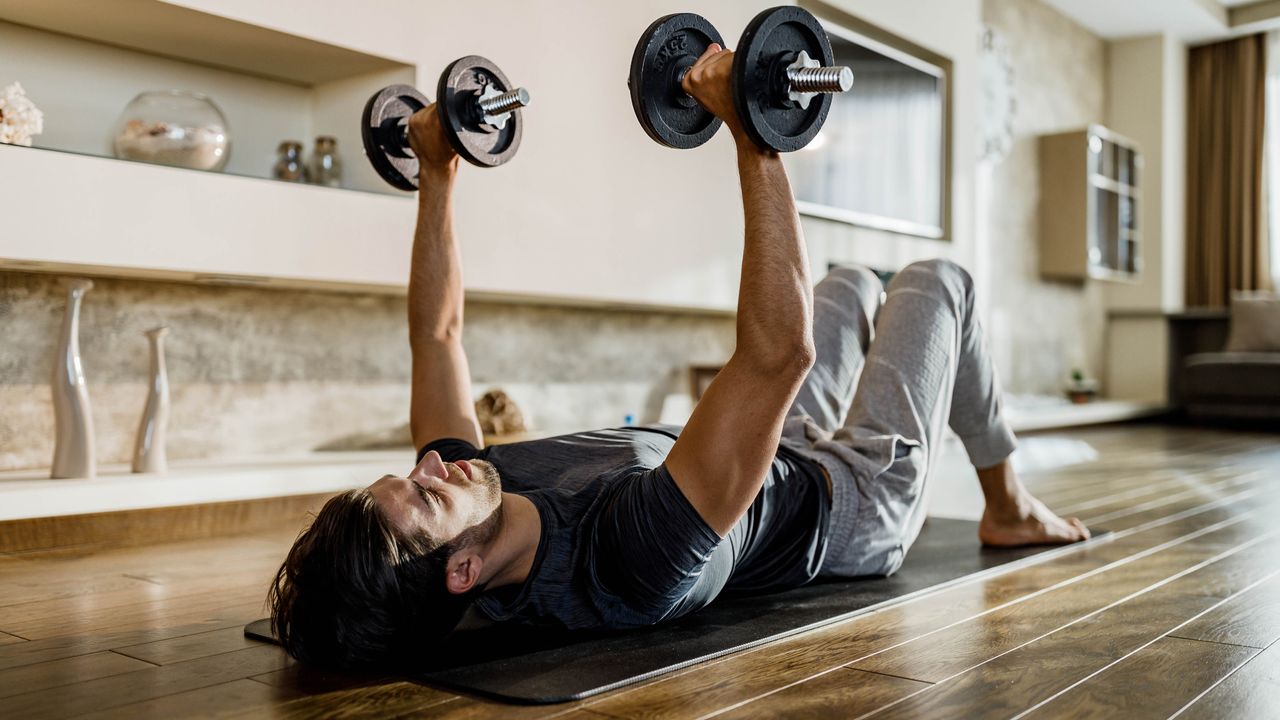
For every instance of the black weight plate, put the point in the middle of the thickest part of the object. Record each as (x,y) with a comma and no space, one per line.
(665,111)
(384,114)
(458,92)
(770,41)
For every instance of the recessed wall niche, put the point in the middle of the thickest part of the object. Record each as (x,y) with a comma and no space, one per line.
(82,63)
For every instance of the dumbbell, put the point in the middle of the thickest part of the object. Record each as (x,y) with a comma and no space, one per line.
(479,110)
(783,79)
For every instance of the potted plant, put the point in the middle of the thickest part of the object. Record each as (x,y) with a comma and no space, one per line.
(1081,389)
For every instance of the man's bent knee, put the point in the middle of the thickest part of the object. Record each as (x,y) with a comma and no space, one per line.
(936,274)
(861,280)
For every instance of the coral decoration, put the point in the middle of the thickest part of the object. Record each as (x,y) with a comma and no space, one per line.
(20,119)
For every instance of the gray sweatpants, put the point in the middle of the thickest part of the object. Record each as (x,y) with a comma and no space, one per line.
(892,371)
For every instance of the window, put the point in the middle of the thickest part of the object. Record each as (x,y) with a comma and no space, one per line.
(881,159)
(1272,153)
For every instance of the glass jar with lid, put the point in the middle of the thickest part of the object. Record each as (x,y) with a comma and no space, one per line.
(324,167)
(289,165)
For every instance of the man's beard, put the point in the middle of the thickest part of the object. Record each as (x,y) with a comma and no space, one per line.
(488,522)
(489,480)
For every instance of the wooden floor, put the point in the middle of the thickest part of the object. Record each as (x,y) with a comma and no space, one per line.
(1178,614)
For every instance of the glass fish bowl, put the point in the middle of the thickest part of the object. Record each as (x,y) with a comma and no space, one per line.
(173,127)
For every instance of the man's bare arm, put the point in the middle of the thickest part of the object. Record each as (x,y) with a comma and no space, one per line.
(725,451)
(440,404)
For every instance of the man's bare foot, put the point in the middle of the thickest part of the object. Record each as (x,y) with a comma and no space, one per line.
(1028,522)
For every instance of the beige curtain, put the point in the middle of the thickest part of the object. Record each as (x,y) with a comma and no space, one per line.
(1226,220)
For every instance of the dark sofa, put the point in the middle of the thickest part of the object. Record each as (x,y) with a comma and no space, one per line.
(1208,383)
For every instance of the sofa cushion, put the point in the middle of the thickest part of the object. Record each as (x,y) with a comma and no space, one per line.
(1255,322)
(1246,375)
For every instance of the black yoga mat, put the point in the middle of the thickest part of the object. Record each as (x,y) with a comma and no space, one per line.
(518,664)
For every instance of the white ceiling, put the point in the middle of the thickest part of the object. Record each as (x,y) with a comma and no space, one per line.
(1190,20)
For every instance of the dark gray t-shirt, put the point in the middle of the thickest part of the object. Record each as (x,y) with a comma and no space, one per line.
(622,547)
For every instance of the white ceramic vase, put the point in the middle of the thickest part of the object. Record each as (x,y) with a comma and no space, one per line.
(73,454)
(148,450)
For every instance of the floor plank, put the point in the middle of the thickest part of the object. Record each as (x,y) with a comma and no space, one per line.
(1154,682)
(90,618)
(1253,691)
(1141,489)
(467,708)
(398,698)
(938,656)
(189,647)
(35,651)
(843,692)
(238,698)
(1021,678)
(1107,515)
(142,685)
(308,680)
(7,639)
(56,673)
(1253,619)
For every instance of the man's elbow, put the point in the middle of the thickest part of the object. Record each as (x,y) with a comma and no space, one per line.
(803,358)
(786,361)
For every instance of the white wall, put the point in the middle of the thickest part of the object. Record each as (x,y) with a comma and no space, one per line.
(1135,108)
(1041,329)
(1146,101)
(1174,181)
(591,206)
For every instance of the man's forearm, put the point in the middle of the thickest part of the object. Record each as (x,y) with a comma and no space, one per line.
(775,300)
(435,275)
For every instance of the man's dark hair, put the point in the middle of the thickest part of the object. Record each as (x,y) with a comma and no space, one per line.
(355,592)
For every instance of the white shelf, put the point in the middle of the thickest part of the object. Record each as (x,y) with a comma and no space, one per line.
(28,494)
(174,31)
(1066,415)
(81,214)
(87,215)
(1099,272)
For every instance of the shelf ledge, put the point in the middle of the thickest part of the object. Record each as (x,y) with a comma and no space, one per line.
(25,494)
(174,31)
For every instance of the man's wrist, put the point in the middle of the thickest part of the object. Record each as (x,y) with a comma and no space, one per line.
(749,151)
(438,171)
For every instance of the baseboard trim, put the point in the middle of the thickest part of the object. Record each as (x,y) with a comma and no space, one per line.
(152,525)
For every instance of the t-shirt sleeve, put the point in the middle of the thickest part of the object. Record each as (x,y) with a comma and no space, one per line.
(451,450)
(653,551)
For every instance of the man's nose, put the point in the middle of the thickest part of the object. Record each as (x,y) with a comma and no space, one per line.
(431,467)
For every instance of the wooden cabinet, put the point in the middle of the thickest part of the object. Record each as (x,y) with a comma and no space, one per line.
(1089,198)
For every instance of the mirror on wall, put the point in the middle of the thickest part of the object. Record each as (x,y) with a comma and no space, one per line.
(881,160)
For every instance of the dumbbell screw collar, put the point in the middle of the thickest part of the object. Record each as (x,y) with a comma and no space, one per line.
(807,77)
(496,106)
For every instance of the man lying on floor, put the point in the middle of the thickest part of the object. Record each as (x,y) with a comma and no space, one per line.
(806,458)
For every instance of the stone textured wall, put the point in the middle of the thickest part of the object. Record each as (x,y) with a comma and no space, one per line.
(256,371)
(1042,329)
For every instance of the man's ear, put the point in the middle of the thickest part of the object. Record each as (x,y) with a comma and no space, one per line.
(463,571)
